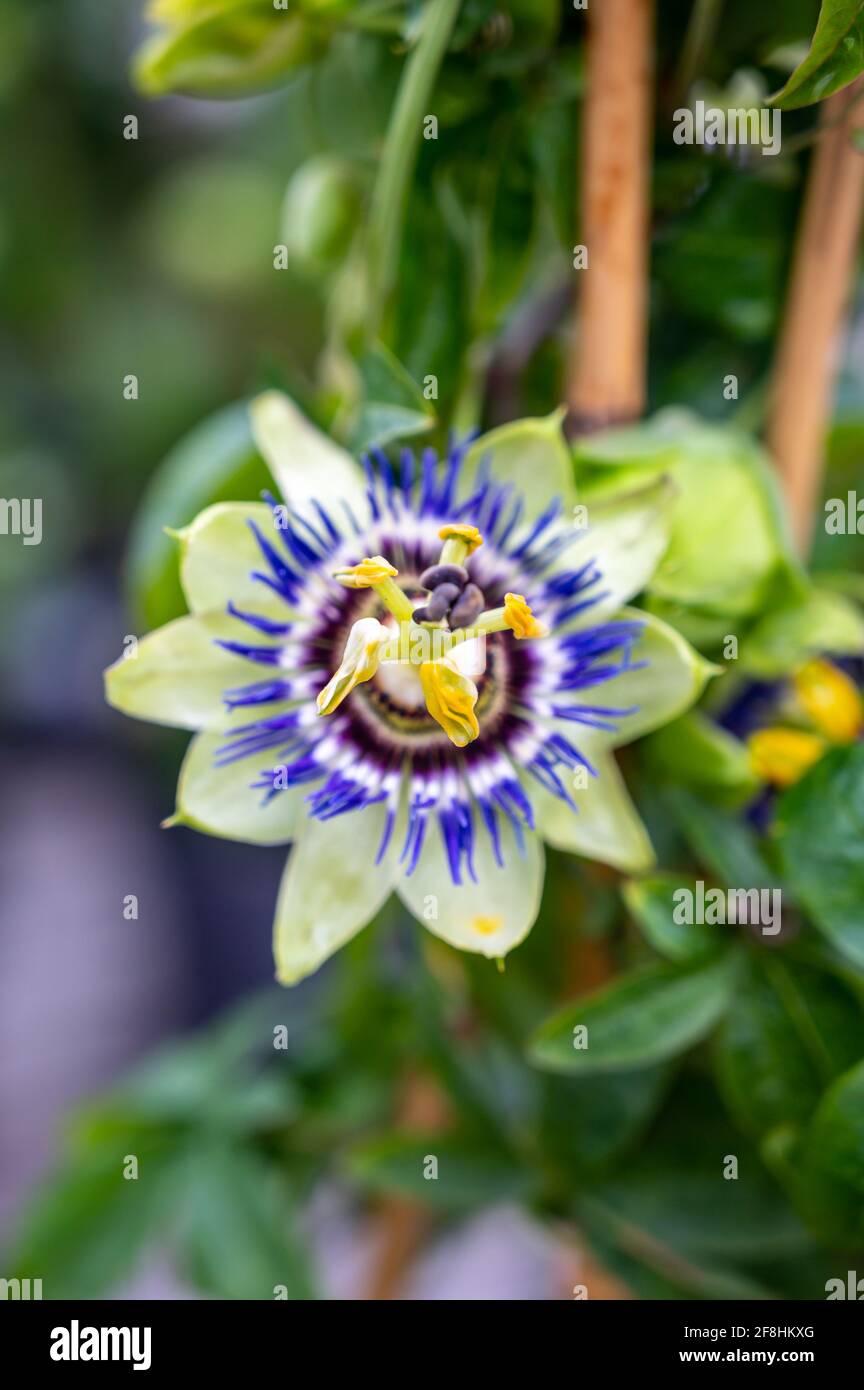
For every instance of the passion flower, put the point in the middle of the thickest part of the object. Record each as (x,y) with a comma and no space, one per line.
(414,678)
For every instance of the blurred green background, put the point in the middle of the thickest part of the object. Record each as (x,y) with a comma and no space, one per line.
(153,257)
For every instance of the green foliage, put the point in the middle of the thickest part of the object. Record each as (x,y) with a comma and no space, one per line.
(699,1048)
(836,56)
(637,1020)
(725,488)
(651,901)
(820,838)
(793,1031)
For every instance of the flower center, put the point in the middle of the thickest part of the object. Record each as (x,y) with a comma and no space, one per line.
(440,645)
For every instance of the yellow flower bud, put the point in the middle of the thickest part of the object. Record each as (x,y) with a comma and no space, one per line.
(831,701)
(782,756)
(519,618)
(450,699)
(359,663)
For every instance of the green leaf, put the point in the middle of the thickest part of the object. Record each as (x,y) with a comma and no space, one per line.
(392,405)
(725,487)
(835,1143)
(589,1120)
(825,621)
(792,1031)
(651,901)
(676,1205)
(696,752)
(639,1019)
(820,835)
(468,1172)
(236,1233)
(215,462)
(242,48)
(835,58)
(86,1230)
(722,842)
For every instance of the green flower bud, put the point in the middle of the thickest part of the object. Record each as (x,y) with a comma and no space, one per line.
(320,212)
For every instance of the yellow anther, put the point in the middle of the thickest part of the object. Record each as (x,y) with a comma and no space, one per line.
(831,700)
(519,618)
(782,756)
(450,699)
(367,575)
(455,530)
(359,663)
(377,573)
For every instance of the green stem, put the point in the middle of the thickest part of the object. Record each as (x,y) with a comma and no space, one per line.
(400,153)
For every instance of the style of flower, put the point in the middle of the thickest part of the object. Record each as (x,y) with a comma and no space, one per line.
(417,674)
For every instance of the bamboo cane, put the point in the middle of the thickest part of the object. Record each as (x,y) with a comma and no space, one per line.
(822,273)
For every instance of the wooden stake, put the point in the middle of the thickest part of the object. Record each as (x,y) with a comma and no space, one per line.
(607,369)
(805,369)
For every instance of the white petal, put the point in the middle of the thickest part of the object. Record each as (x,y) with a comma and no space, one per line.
(490,916)
(305,463)
(178,675)
(330,889)
(606,825)
(219,554)
(221,800)
(672,679)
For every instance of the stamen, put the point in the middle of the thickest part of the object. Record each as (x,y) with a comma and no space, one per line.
(359,663)
(377,573)
(515,615)
(460,541)
(450,699)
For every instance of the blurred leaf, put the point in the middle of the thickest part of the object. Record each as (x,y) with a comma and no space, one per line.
(469,1172)
(725,488)
(831,1210)
(681,1207)
(588,1121)
(820,835)
(652,1269)
(237,1233)
(651,901)
(637,1020)
(243,47)
(392,404)
(835,58)
(792,1031)
(696,752)
(215,462)
(835,1143)
(720,841)
(85,1231)
(723,261)
(825,621)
